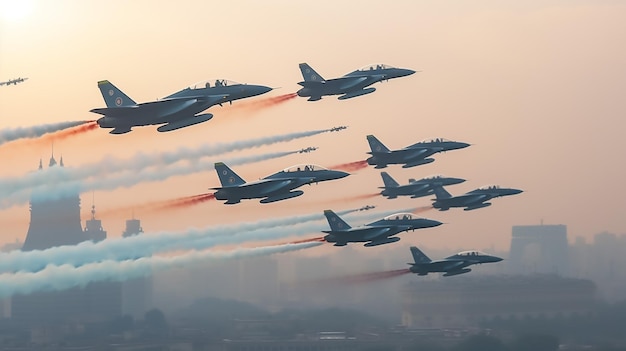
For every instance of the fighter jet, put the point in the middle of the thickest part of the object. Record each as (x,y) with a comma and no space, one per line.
(275,187)
(376,233)
(412,155)
(178,110)
(336,129)
(472,200)
(13,81)
(308,149)
(415,188)
(351,85)
(367,207)
(453,265)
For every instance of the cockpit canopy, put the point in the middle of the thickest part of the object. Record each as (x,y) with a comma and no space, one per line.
(399,217)
(304,167)
(212,83)
(374,67)
(434,140)
(434,177)
(471,253)
(489,187)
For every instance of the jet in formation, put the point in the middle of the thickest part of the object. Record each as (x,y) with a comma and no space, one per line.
(410,156)
(336,129)
(453,265)
(351,85)
(415,188)
(376,233)
(367,207)
(275,187)
(13,81)
(472,200)
(178,110)
(307,149)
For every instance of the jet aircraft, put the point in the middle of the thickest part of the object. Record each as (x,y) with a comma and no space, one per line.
(178,110)
(336,129)
(367,207)
(453,265)
(410,156)
(13,81)
(472,200)
(275,187)
(351,85)
(376,233)
(415,188)
(307,149)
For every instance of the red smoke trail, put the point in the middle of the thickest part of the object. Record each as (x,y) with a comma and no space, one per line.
(363,278)
(186,201)
(310,240)
(261,103)
(351,166)
(63,134)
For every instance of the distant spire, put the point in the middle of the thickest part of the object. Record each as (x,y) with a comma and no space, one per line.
(52,160)
(40,164)
(93,206)
(61,161)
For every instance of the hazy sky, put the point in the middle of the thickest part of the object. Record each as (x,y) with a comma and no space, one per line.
(537,88)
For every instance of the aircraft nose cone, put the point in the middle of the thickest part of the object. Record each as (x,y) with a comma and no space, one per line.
(463,145)
(408,72)
(263,89)
(432,223)
(515,191)
(496,259)
(341,174)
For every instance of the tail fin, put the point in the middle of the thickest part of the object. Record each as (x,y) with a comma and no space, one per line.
(113,97)
(388,180)
(309,74)
(335,222)
(375,145)
(419,256)
(441,193)
(227,176)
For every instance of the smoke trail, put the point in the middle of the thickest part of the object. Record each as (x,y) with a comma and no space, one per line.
(187,201)
(66,133)
(54,278)
(139,162)
(351,166)
(8,135)
(265,102)
(53,191)
(422,209)
(362,278)
(148,244)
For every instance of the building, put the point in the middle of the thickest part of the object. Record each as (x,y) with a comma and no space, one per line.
(55,221)
(462,302)
(539,249)
(136,293)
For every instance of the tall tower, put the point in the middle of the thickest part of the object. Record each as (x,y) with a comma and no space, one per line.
(136,293)
(55,221)
(539,249)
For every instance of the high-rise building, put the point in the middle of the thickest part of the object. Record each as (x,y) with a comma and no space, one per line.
(539,249)
(136,293)
(55,221)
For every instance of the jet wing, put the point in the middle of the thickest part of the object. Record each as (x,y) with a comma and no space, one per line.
(347,83)
(159,107)
(446,265)
(470,198)
(375,232)
(266,186)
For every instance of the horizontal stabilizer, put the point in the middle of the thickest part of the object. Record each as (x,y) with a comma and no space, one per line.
(120,130)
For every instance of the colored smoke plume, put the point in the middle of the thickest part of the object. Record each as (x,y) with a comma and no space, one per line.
(9,135)
(262,102)
(66,133)
(351,166)
(310,240)
(187,201)
(421,209)
(362,278)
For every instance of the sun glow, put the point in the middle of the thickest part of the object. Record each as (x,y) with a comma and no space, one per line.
(15,10)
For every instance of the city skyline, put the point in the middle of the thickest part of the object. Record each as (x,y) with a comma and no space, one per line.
(534,87)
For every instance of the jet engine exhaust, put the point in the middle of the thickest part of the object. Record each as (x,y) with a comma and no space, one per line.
(262,102)
(310,240)
(422,209)
(187,201)
(351,166)
(54,131)
(363,278)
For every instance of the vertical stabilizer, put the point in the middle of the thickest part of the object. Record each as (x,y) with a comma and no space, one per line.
(441,193)
(375,145)
(335,222)
(113,97)
(309,74)
(388,180)
(227,176)
(418,256)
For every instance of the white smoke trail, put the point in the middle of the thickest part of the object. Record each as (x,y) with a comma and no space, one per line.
(8,135)
(54,191)
(138,163)
(54,278)
(147,244)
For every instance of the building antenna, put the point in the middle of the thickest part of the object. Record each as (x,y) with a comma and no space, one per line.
(93,205)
